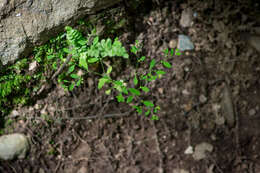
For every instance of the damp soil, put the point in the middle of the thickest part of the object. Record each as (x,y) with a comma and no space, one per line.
(86,131)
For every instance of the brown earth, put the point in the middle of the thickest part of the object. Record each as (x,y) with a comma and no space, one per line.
(195,96)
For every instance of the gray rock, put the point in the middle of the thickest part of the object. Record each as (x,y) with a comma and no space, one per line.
(201,149)
(184,43)
(26,23)
(13,145)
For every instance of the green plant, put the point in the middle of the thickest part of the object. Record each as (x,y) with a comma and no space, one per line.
(12,82)
(87,51)
(136,94)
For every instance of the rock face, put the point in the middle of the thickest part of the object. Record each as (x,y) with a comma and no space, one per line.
(13,145)
(26,23)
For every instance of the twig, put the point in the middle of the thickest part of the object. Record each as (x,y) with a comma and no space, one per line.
(55,74)
(62,67)
(88,117)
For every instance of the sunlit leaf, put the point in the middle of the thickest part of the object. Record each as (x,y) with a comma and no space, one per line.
(108,92)
(166,51)
(71,69)
(102,82)
(154,117)
(95,41)
(109,70)
(130,99)
(120,98)
(177,52)
(145,89)
(172,52)
(160,72)
(147,112)
(152,64)
(141,59)
(135,80)
(92,60)
(71,86)
(148,103)
(82,61)
(166,64)
(134,91)
(74,76)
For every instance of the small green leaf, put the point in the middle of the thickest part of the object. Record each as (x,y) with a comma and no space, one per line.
(125,55)
(120,98)
(130,99)
(82,61)
(102,82)
(95,41)
(71,86)
(50,57)
(160,72)
(151,78)
(152,64)
(148,103)
(92,60)
(147,113)
(138,109)
(82,42)
(71,69)
(133,49)
(108,92)
(141,59)
(134,91)
(166,64)
(145,89)
(124,90)
(109,70)
(172,52)
(108,43)
(177,52)
(156,109)
(154,117)
(135,80)
(74,76)
(79,82)
(166,51)
(120,83)
(144,77)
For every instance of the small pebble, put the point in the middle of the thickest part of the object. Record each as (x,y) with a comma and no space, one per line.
(202,98)
(185,92)
(201,149)
(173,44)
(252,112)
(189,150)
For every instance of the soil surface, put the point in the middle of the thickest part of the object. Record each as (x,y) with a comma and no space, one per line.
(211,96)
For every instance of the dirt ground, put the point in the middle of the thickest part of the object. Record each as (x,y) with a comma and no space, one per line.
(211,95)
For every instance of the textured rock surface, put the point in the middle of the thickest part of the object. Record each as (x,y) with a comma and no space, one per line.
(25,23)
(13,145)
